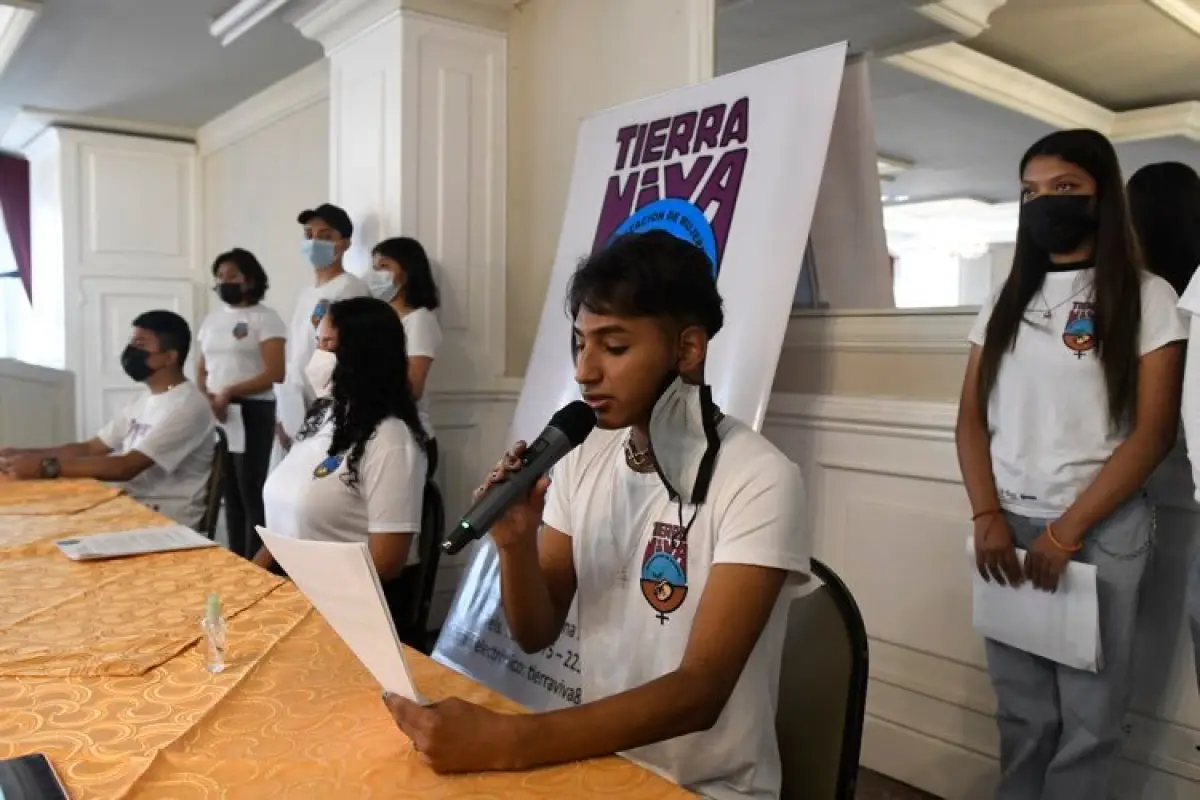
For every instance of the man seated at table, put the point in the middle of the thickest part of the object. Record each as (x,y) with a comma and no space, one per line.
(683,567)
(160,446)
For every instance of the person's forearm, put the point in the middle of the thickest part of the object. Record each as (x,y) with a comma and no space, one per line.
(1125,472)
(674,705)
(525,595)
(975,462)
(259,384)
(263,558)
(63,452)
(101,468)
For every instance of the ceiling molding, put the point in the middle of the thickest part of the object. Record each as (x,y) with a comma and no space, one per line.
(29,123)
(890,167)
(241,17)
(15,18)
(294,93)
(1184,12)
(966,70)
(967,17)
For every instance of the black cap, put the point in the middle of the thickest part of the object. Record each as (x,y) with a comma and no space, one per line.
(332,216)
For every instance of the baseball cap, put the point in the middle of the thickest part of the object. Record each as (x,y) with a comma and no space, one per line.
(332,216)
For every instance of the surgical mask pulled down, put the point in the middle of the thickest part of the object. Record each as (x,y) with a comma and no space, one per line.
(683,436)
(320,372)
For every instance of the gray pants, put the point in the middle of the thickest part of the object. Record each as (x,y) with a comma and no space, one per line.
(1060,728)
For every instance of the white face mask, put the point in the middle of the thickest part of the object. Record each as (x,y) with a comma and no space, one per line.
(683,435)
(320,371)
(382,286)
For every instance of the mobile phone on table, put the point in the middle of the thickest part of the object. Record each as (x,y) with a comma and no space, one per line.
(30,777)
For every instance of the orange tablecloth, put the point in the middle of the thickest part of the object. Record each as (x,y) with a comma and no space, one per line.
(293,716)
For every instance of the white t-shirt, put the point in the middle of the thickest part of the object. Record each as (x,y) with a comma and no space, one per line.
(1048,413)
(307,497)
(635,630)
(294,394)
(231,340)
(424,337)
(176,430)
(1190,302)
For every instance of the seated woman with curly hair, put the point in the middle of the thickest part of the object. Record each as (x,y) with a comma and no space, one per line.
(357,470)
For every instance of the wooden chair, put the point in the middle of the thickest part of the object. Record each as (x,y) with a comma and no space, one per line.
(822,692)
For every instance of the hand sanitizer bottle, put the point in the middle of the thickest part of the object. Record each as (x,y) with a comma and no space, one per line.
(213,626)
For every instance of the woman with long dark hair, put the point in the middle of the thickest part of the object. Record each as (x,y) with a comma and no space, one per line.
(402,276)
(241,359)
(356,472)
(1164,204)
(1070,401)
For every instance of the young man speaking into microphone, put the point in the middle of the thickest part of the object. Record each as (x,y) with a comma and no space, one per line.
(680,531)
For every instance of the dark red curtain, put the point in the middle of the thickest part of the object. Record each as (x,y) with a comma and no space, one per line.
(14,202)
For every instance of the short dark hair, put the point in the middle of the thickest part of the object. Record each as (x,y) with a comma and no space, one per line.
(1164,204)
(333,216)
(251,270)
(171,329)
(419,290)
(651,274)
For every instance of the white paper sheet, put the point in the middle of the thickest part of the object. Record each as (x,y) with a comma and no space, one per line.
(339,579)
(1063,626)
(133,543)
(235,429)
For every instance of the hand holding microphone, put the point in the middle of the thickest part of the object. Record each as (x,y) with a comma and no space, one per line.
(510,503)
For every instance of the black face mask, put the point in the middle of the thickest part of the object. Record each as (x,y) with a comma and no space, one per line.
(1059,223)
(231,293)
(134,362)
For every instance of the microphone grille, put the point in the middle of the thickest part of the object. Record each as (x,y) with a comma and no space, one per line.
(575,420)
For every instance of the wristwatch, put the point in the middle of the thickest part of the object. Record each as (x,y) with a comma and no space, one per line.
(50,468)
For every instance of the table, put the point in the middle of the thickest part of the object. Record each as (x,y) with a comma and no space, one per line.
(99,670)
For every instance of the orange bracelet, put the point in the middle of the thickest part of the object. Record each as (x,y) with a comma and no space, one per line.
(983,514)
(1054,540)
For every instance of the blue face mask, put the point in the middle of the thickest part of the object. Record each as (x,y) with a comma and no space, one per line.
(320,253)
(382,286)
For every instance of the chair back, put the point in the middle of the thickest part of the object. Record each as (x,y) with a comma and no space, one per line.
(410,595)
(216,486)
(822,692)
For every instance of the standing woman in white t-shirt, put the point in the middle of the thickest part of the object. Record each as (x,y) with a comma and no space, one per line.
(241,359)
(1070,401)
(356,471)
(402,276)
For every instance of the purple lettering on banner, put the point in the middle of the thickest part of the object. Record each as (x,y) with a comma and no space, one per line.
(656,141)
(704,156)
(625,138)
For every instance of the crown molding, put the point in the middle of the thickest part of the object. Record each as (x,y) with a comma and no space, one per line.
(1184,12)
(30,123)
(294,93)
(971,72)
(336,23)
(966,17)
(890,167)
(15,18)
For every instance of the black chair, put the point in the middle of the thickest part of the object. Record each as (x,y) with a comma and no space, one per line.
(410,595)
(822,692)
(216,487)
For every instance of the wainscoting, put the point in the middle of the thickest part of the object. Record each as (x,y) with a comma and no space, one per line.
(37,405)
(890,516)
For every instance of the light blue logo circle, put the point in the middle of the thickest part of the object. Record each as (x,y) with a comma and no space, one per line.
(677,217)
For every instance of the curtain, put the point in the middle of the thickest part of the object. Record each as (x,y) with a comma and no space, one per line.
(14,202)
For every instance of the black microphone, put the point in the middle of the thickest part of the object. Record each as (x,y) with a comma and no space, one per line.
(569,426)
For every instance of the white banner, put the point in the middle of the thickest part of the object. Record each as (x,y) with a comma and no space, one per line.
(733,165)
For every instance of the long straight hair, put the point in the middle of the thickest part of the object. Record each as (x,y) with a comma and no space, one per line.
(1164,205)
(1116,287)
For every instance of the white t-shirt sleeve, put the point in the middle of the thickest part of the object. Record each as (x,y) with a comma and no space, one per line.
(392,480)
(1190,302)
(557,511)
(423,333)
(1161,320)
(765,524)
(1190,411)
(113,434)
(178,434)
(271,326)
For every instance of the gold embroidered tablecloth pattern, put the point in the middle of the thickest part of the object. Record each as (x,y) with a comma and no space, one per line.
(294,715)
(53,497)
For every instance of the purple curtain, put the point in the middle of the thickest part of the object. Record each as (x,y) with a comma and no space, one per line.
(14,202)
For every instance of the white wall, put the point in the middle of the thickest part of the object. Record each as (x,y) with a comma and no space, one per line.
(262,163)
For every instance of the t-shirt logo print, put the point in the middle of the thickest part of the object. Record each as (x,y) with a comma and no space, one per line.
(664,569)
(327,467)
(1080,333)
(319,311)
(241,330)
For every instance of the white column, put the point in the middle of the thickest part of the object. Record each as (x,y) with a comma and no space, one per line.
(417,148)
(115,233)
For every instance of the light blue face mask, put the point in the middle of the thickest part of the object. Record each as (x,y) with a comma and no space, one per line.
(382,287)
(320,252)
